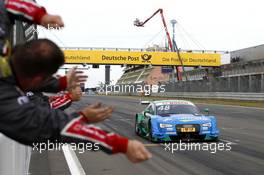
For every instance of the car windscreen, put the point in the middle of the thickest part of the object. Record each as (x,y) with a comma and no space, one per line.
(177,109)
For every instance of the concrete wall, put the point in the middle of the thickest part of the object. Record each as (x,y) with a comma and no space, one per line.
(250,87)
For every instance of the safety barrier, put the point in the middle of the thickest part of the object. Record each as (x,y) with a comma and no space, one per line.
(15,157)
(214,95)
(203,95)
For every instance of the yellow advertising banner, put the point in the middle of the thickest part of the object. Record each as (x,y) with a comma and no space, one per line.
(141,58)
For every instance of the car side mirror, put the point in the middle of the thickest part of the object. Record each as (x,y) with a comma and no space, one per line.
(207,110)
(147,111)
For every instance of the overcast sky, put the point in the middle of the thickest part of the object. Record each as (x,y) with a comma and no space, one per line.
(202,24)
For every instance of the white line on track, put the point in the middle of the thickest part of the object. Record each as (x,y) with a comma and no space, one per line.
(227,141)
(72,161)
(152,144)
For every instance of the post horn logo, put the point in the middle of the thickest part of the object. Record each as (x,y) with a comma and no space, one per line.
(146,58)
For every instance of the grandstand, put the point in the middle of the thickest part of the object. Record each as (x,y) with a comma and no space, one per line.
(248,61)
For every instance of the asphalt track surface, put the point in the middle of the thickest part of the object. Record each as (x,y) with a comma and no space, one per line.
(240,127)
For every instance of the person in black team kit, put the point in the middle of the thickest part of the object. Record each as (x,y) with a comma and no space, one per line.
(22,10)
(33,64)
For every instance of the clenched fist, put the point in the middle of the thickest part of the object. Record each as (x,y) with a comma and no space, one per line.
(136,152)
(51,21)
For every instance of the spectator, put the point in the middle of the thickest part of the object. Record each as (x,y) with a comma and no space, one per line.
(74,78)
(30,123)
(31,12)
(24,11)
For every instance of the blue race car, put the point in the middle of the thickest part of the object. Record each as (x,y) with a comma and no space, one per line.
(173,120)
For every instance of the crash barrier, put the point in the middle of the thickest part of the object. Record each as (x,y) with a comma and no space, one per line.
(214,95)
(251,83)
(201,95)
(15,157)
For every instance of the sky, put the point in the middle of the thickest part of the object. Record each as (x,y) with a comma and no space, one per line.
(202,24)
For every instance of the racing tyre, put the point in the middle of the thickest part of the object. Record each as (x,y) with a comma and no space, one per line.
(212,139)
(136,126)
(150,132)
(215,139)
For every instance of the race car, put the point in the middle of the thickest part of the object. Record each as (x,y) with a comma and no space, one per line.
(174,120)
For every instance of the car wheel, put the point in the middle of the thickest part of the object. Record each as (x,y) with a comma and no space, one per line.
(150,132)
(212,139)
(136,126)
(215,139)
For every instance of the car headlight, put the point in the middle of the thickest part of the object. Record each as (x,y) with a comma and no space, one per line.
(163,125)
(207,125)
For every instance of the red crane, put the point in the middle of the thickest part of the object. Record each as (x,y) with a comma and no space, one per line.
(138,23)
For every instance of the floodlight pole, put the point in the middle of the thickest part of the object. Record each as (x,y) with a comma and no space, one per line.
(175,49)
(107,74)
